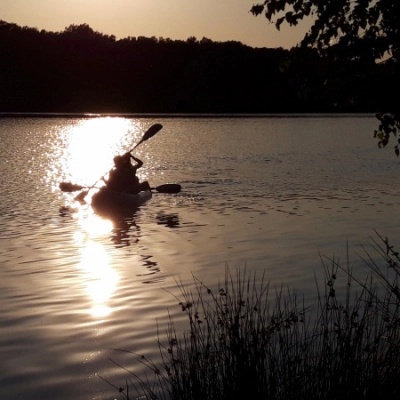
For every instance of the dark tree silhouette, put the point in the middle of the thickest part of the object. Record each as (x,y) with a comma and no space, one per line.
(81,70)
(375,23)
(365,30)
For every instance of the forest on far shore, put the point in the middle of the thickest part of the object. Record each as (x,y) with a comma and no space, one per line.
(80,70)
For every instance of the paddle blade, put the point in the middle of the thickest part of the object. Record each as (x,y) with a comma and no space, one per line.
(168,188)
(69,187)
(149,133)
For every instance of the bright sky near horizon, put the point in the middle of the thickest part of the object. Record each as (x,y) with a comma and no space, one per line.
(219,21)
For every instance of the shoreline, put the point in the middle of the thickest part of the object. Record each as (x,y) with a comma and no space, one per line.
(178,115)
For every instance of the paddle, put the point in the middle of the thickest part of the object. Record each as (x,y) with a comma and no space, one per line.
(70,187)
(165,188)
(168,188)
(147,135)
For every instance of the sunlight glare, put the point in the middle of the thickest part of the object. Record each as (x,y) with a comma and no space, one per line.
(92,145)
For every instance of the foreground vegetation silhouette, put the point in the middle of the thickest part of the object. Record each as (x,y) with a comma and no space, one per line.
(242,341)
(80,70)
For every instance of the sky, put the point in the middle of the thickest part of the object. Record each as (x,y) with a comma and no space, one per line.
(218,20)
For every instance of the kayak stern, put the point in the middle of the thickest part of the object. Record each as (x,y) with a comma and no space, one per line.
(109,203)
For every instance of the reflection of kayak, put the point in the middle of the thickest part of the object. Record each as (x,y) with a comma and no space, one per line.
(108,202)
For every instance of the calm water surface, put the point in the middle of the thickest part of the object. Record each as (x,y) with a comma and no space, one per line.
(268,193)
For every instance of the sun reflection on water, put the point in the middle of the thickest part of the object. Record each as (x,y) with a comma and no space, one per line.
(99,277)
(84,153)
(94,226)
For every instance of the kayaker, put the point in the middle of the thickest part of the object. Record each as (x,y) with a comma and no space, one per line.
(122,177)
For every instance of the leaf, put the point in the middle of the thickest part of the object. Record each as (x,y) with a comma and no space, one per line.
(257,9)
(387,129)
(279,23)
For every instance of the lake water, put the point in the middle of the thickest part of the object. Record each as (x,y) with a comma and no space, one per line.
(266,193)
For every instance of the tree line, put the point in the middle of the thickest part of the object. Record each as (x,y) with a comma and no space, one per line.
(81,70)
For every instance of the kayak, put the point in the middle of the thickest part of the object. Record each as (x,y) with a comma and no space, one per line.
(110,203)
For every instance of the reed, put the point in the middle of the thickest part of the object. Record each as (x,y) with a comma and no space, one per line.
(246,340)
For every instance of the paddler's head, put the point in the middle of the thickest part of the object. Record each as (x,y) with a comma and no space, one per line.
(118,160)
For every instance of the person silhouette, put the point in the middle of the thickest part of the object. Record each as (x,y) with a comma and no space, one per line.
(123,178)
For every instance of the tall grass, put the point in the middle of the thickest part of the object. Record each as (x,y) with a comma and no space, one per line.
(248,341)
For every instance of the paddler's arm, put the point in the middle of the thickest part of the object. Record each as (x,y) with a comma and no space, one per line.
(139,163)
